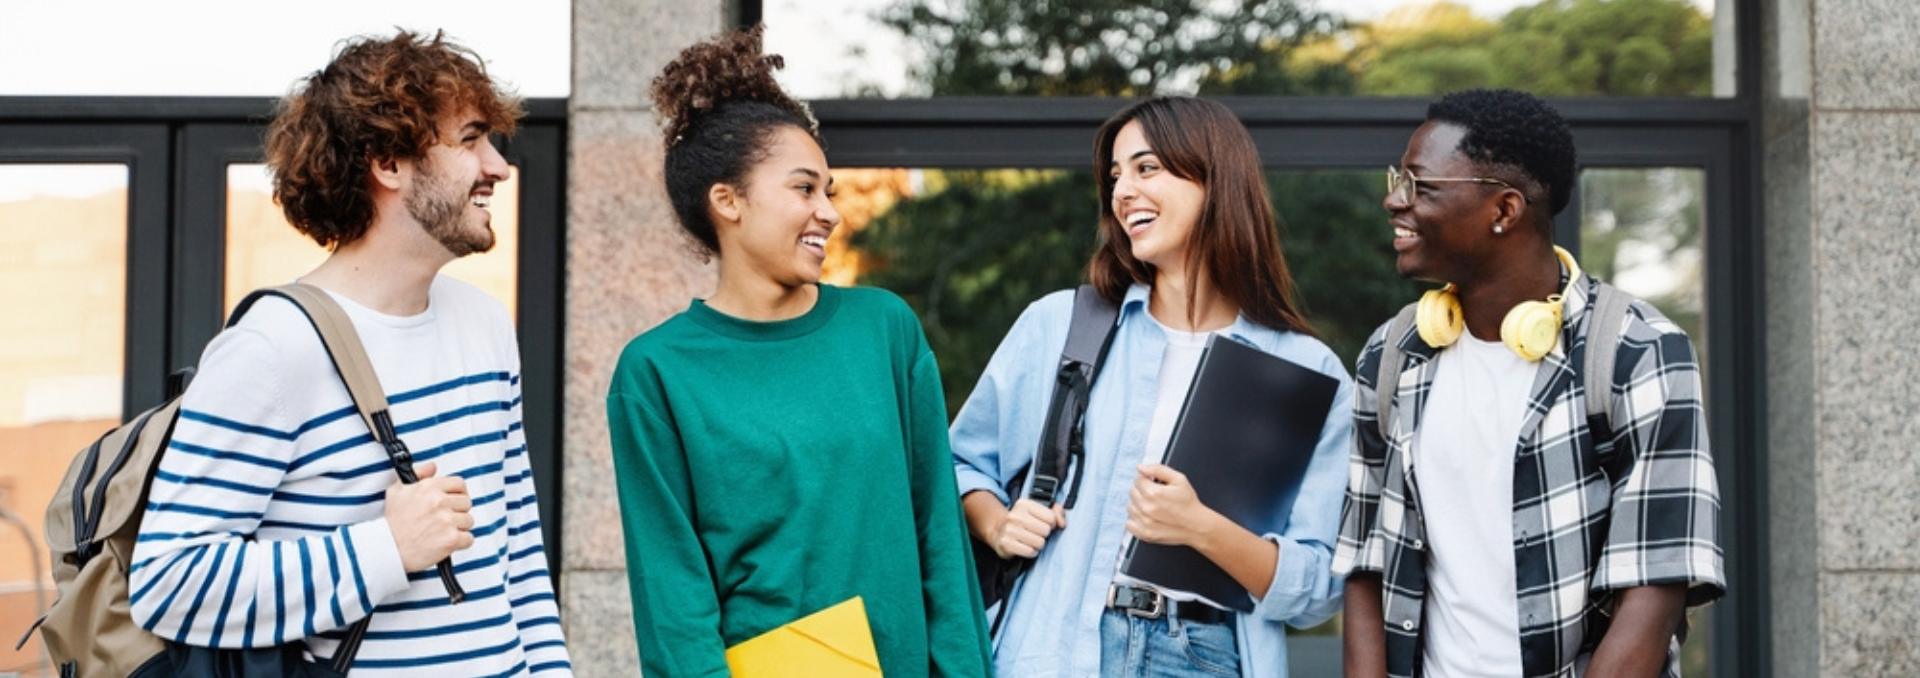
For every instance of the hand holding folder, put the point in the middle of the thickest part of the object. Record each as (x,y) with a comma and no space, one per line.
(1245,435)
(836,641)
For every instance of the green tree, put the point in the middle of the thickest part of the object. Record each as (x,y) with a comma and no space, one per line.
(1093,47)
(1553,48)
(974,250)
(1339,248)
(1607,47)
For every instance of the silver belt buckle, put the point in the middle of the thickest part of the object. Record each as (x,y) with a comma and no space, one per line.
(1158,610)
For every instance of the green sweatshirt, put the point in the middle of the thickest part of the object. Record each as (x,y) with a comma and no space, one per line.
(771,470)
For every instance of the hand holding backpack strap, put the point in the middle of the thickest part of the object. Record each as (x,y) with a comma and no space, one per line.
(1062,437)
(350,360)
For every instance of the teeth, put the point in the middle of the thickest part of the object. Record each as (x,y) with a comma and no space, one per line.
(1402,232)
(813,240)
(1140,218)
(481,201)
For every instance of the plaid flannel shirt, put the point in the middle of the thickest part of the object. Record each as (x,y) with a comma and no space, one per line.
(1590,516)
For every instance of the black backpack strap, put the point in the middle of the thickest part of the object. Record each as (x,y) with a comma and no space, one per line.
(1061,446)
(1062,438)
(1386,378)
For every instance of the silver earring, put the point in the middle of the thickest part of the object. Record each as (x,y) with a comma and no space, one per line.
(1498,229)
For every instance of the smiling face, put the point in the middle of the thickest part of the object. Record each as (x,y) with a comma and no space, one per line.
(453,184)
(1447,229)
(1156,209)
(779,222)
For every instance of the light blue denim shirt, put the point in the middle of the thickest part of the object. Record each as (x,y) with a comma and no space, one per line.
(1053,629)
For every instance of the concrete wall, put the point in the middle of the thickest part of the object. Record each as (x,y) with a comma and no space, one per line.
(1842,148)
(628,268)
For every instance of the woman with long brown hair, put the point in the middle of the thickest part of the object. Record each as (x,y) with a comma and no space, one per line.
(1189,247)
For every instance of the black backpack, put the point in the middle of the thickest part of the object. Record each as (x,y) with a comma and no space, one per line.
(1056,464)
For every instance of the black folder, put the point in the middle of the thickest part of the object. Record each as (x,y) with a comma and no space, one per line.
(1244,438)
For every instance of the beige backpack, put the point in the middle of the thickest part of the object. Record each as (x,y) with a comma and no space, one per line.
(95,516)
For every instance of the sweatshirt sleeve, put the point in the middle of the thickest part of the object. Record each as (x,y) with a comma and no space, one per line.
(198,577)
(676,612)
(957,631)
(529,583)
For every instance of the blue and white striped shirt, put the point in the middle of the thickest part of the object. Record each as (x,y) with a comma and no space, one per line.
(265,522)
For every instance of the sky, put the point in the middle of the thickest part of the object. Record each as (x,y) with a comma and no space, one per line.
(257,47)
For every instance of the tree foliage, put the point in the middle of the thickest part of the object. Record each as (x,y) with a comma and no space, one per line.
(1093,47)
(975,250)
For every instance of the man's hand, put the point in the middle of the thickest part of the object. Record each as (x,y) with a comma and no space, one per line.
(1023,532)
(430,518)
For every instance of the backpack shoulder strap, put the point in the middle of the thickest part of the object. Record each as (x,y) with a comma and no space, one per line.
(343,347)
(1603,346)
(1386,378)
(1092,330)
(1088,338)
(350,360)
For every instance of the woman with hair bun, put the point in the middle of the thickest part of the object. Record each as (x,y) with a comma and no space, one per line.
(781,446)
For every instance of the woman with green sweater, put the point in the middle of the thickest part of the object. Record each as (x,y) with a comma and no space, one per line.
(781,446)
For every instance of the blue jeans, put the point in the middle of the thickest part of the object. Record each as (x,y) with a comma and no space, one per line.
(1165,648)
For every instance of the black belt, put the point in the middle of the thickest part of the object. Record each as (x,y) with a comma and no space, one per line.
(1151,604)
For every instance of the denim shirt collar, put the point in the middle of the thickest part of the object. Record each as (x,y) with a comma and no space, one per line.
(1241,330)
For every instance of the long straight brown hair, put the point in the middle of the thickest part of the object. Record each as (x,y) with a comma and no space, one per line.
(1235,243)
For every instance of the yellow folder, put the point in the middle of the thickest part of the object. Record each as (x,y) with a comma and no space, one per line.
(836,641)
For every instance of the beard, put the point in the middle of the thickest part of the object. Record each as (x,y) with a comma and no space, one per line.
(439,205)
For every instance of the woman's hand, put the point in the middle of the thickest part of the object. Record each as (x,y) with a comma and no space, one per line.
(1163,508)
(1023,532)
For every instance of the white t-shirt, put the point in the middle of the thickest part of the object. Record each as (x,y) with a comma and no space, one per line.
(1182,359)
(1463,468)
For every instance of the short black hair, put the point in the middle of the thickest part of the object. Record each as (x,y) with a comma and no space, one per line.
(1515,129)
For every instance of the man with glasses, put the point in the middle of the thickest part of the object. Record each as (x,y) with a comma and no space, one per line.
(1497,522)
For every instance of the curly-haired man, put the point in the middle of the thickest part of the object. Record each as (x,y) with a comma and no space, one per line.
(1515,507)
(274,517)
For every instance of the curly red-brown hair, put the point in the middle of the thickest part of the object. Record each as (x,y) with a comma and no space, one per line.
(380,99)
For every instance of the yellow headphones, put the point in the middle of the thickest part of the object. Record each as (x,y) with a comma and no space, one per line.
(1529,330)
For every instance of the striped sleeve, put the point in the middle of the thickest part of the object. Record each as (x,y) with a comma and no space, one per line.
(529,583)
(198,575)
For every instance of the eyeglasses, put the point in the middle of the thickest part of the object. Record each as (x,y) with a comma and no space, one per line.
(1405,182)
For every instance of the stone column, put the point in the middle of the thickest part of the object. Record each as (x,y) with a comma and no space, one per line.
(628,268)
(1843,189)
